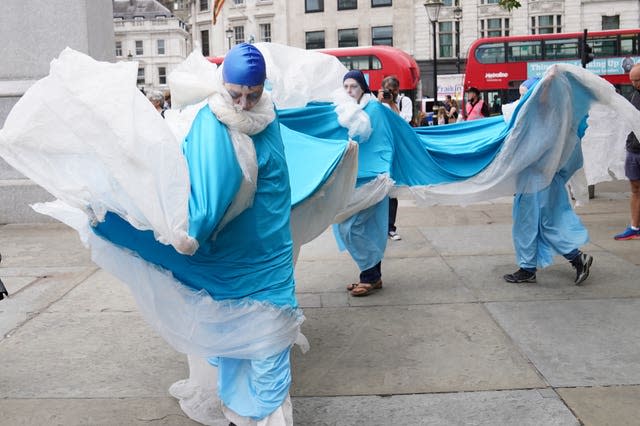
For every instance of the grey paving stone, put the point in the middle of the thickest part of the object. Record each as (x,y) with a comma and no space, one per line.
(106,355)
(522,408)
(576,342)
(95,412)
(41,245)
(37,297)
(15,284)
(604,406)
(101,292)
(470,240)
(609,277)
(416,282)
(408,349)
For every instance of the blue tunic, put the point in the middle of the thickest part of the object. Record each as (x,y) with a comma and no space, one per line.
(251,256)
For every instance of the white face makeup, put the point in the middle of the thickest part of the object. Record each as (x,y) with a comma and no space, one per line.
(245,97)
(353,89)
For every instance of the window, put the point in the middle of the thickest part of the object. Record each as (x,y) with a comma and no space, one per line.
(314,39)
(382,35)
(139,48)
(347,4)
(160,47)
(348,38)
(546,24)
(361,62)
(162,75)
(204,41)
(380,3)
(445,39)
(118,48)
(490,1)
(494,27)
(611,22)
(265,32)
(447,3)
(311,6)
(524,51)
(138,21)
(605,46)
(568,48)
(238,2)
(629,45)
(140,80)
(491,53)
(238,34)
(204,5)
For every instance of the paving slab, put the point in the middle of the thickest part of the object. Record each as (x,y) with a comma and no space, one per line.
(417,282)
(36,297)
(85,355)
(38,245)
(324,247)
(610,276)
(604,406)
(95,412)
(408,349)
(576,342)
(470,240)
(438,216)
(522,408)
(100,292)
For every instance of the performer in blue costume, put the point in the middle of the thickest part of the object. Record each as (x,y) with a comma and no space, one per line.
(364,234)
(251,256)
(545,224)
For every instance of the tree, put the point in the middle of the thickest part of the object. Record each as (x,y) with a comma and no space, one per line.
(509,4)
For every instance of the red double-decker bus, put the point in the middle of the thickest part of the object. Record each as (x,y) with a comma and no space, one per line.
(376,62)
(498,65)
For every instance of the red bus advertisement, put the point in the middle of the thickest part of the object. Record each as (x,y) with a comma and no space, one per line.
(376,62)
(497,66)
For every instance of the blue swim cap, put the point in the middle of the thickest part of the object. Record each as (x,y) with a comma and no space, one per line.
(244,65)
(358,76)
(530,82)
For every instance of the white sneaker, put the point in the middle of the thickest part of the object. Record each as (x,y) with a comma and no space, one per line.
(393,235)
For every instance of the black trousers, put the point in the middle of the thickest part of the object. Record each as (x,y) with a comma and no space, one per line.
(393,211)
(371,275)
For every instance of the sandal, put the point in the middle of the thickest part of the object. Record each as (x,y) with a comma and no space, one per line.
(352,286)
(364,289)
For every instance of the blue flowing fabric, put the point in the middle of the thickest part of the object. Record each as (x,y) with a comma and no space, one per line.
(544,222)
(250,251)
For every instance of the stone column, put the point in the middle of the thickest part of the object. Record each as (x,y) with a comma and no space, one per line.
(33,32)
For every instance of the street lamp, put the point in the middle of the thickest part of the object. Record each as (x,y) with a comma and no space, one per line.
(457,15)
(229,33)
(433,10)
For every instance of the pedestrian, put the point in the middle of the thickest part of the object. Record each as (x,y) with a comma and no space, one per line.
(475,108)
(632,165)
(544,222)
(404,107)
(364,234)
(157,100)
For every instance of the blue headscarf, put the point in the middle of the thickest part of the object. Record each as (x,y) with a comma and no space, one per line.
(358,76)
(244,65)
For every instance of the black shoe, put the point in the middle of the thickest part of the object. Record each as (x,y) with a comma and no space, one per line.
(521,276)
(582,264)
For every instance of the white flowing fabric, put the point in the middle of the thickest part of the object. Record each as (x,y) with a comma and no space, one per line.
(544,119)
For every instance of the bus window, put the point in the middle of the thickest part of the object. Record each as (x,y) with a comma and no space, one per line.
(524,51)
(603,46)
(492,53)
(628,45)
(568,48)
(369,62)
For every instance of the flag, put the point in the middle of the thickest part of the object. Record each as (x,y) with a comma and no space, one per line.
(217,7)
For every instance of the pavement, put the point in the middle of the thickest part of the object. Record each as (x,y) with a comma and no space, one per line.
(445,342)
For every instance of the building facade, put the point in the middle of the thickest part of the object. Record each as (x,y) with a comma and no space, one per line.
(149,33)
(404,24)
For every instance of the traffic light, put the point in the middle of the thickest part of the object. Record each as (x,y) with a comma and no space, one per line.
(586,51)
